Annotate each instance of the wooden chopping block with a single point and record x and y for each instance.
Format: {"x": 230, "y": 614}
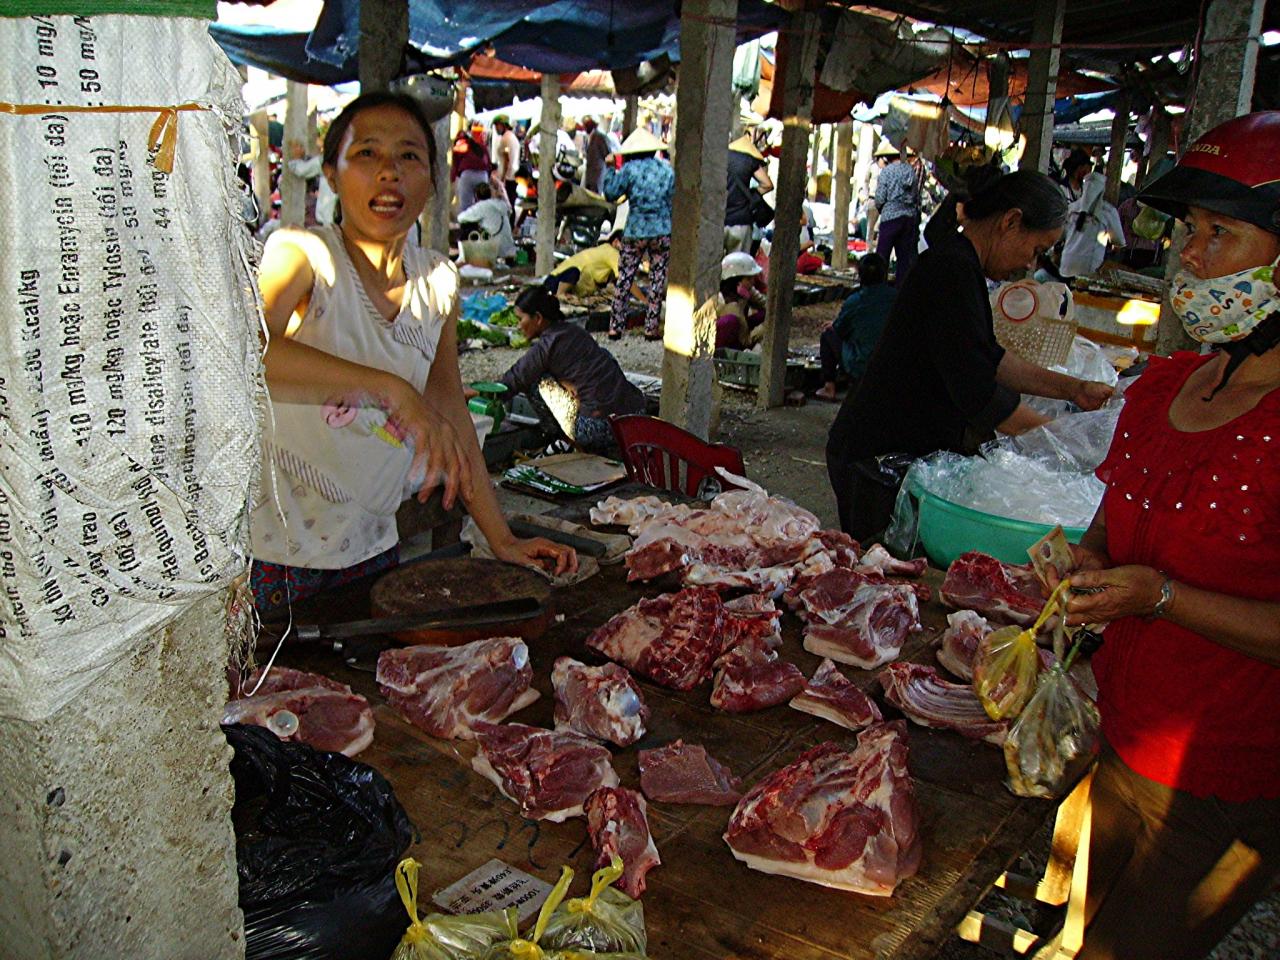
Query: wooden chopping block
{"x": 458, "y": 582}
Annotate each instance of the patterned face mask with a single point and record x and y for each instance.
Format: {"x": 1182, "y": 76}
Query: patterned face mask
{"x": 1224, "y": 309}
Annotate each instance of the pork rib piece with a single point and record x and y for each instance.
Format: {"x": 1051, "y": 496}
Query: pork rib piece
{"x": 1000, "y": 591}
{"x": 922, "y": 694}
{"x": 840, "y": 818}
{"x": 867, "y": 631}
{"x": 959, "y": 645}
{"x": 751, "y": 678}
{"x": 446, "y": 690}
{"x": 329, "y": 715}
{"x": 549, "y": 773}
{"x": 618, "y": 823}
{"x": 831, "y": 695}
{"x": 686, "y": 773}
{"x": 603, "y": 703}
{"x": 672, "y": 639}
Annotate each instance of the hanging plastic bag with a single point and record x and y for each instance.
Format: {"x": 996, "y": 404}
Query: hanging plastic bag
{"x": 605, "y": 919}
{"x": 440, "y": 937}
{"x": 1056, "y": 737}
{"x": 1007, "y": 663}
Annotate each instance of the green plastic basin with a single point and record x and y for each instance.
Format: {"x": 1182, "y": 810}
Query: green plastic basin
{"x": 947, "y": 529}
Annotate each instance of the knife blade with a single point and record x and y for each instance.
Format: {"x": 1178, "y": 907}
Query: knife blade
{"x": 476, "y": 615}
{"x": 585, "y": 545}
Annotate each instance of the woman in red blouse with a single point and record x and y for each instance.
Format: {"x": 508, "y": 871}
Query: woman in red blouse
{"x": 1183, "y": 559}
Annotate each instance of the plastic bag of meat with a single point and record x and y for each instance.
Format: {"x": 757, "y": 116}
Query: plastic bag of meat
{"x": 1007, "y": 664}
{"x": 536, "y": 945}
{"x": 1055, "y": 738}
{"x": 606, "y": 920}
{"x": 440, "y": 937}
{"x": 599, "y": 702}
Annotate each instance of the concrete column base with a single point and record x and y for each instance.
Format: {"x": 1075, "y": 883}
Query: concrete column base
{"x": 115, "y": 827}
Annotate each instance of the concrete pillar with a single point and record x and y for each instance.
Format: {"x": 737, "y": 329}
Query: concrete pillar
{"x": 261, "y": 170}
{"x": 384, "y": 31}
{"x": 293, "y": 188}
{"x": 797, "y": 107}
{"x": 548, "y": 125}
{"x": 842, "y": 188}
{"x": 1224, "y": 90}
{"x": 1115, "y": 157}
{"x": 1042, "y": 84}
{"x": 629, "y": 111}
{"x": 704, "y": 101}
{"x": 117, "y": 811}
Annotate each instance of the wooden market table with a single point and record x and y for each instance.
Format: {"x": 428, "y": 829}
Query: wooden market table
{"x": 701, "y": 902}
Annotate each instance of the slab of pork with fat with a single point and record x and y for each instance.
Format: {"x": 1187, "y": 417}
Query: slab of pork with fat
{"x": 548, "y": 773}
{"x": 831, "y": 695}
{"x": 673, "y": 639}
{"x": 325, "y": 714}
{"x": 836, "y": 817}
{"x": 866, "y": 630}
{"x": 603, "y": 703}
{"x": 447, "y": 690}
{"x": 1003, "y": 592}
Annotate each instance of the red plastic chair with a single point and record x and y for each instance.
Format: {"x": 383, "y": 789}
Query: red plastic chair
{"x": 669, "y": 458}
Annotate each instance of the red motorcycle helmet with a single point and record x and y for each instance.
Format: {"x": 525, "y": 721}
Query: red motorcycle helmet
{"x": 1234, "y": 169}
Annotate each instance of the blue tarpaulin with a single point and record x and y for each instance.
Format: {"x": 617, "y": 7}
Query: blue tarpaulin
{"x": 569, "y": 36}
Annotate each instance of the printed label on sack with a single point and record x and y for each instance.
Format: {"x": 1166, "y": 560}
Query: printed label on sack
{"x": 494, "y": 886}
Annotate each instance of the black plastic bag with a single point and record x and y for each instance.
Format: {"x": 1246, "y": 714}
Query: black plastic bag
{"x": 318, "y": 836}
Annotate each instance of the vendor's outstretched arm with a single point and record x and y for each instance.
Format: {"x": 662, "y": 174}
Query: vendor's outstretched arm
{"x": 298, "y": 373}
{"x": 1018, "y": 374}
{"x": 444, "y": 392}
{"x": 1022, "y": 419}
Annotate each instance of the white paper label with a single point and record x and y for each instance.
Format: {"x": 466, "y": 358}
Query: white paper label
{"x": 494, "y": 886}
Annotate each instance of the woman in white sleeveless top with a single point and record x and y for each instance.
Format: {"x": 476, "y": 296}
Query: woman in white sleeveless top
{"x": 362, "y": 365}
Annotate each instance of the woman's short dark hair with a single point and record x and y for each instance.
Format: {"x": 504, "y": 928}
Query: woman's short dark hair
{"x": 729, "y": 287}
{"x": 538, "y": 299}
{"x": 482, "y": 191}
{"x": 410, "y": 105}
{"x": 872, "y": 269}
{"x": 1040, "y": 200}
{"x": 628, "y": 157}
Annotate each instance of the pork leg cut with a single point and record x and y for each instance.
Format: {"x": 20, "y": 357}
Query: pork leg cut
{"x": 618, "y": 824}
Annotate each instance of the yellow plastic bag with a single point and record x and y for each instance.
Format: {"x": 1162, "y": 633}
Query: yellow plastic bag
{"x": 441, "y": 937}
{"x": 1055, "y": 738}
{"x": 604, "y": 920}
{"x": 1007, "y": 663}
{"x": 515, "y": 947}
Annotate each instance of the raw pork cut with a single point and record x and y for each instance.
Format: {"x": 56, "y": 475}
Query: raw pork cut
{"x": 686, "y": 773}
{"x": 329, "y": 716}
{"x": 1000, "y": 591}
{"x": 868, "y": 630}
{"x": 831, "y": 695}
{"x": 618, "y": 823}
{"x": 549, "y": 773}
{"x": 672, "y": 639}
{"x": 751, "y": 678}
{"x": 840, "y": 818}
{"x": 627, "y": 513}
{"x": 446, "y": 690}
{"x": 965, "y": 630}
{"x": 599, "y": 702}
{"x": 922, "y": 694}
{"x": 879, "y": 559}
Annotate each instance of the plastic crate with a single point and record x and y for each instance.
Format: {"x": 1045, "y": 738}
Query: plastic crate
{"x": 741, "y": 368}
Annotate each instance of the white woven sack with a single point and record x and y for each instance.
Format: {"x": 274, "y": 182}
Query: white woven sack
{"x": 130, "y": 379}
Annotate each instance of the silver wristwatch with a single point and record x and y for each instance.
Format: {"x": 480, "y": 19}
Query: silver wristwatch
{"x": 1166, "y": 598}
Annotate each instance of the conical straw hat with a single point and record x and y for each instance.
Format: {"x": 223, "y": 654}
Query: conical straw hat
{"x": 641, "y": 141}
{"x": 744, "y": 145}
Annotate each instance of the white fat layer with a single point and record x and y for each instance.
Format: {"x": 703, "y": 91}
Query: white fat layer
{"x": 819, "y": 708}
{"x": 848, "y": 879}
{"x": 824, "y": 647}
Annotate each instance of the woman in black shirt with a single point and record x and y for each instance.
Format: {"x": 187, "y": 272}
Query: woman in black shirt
{"x": 938, "y": 380}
